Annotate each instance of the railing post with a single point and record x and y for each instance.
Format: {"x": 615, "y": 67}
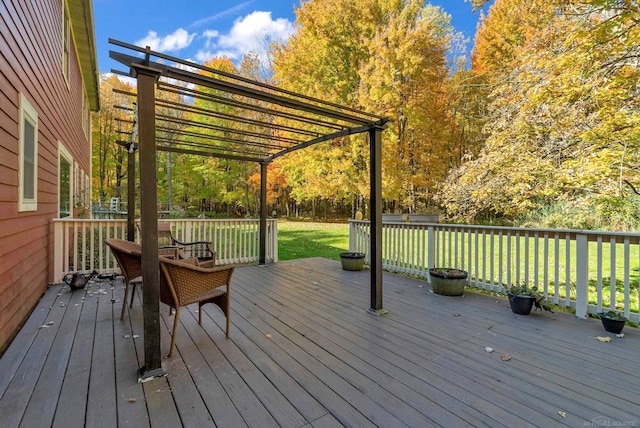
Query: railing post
{"x": 263, "y": 215}
{"x": 352, "y": 236}
{"x": 274, "y": 240}
{"x": 431, "y": 249}
{"x": 58, "y": 251}
{"x": 188, "y": 231}
{"x": 582, "y": 275}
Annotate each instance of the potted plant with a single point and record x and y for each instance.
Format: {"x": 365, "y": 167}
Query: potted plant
{"x": 448, "y": 281}
{"x": 612, "y": 321}
{"x": 352, "y": 261}
{"x": 522, "y": 298}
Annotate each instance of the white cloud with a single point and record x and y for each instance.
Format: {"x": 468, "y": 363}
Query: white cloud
{"x": 175, "y": 41}
{"x": 251, "y": 33}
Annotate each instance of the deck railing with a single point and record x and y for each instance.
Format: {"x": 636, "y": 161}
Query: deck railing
{"x": 588, "y": 271}
{"x": 79, "y": 244}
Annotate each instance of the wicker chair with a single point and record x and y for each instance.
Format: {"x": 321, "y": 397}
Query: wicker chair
{"x": 129, "y": 257}
{"x": 183, "y": 282}
{"x": 201, "y": 250}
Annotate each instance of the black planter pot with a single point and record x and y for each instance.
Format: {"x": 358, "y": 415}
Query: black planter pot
{"x": 612, "y": 325}
{"x": 521, "y": 304}
{"x": 448, "y": 281}
{"x": 352, "y": 261}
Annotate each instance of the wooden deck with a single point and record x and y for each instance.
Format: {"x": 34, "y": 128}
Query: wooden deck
{"x": 304, "y": 352}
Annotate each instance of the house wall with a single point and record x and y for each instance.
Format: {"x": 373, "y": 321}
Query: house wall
{"x": 31, "y": 64}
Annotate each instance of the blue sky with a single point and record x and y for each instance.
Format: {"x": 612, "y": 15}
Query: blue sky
{"x": 200, "y": 29}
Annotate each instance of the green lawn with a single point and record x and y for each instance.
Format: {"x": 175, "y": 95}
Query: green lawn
{"x": 297, "y": 239}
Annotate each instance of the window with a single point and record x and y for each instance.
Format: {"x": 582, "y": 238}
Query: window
{"x": 66, "y": 42}
{"x": 64, "y": 182}
{"x": 28, "y": 157}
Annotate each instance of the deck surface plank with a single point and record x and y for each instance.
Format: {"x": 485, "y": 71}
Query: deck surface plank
{"x": 45, "y": 396}
{"x": 305, "y": 352}
{"x": 72, "y": 404}
{"x": 188, "y": 400}
{"x": 19, "y": 390}
{"x": 132, "y": 409}
{"x": 102, "y": 399}
{"x": 14, "y": 355}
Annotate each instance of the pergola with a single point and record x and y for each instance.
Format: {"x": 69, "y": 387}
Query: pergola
{"x": 251, "y": 121}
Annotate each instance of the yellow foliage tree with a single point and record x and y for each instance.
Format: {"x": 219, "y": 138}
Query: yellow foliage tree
{"x": 388, "y": 57}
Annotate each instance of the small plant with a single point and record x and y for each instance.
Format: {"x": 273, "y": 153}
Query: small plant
{"x": 523, "y": 289}
{"x": 448, "y": 273}
{"x": 614, "y": 315}
{"x": 613, "y": 321}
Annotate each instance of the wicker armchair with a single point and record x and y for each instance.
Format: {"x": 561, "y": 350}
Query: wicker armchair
{"x": 129, "y": 257}
{"x": 183, "y": 282}
{"x": 201, "y": 250}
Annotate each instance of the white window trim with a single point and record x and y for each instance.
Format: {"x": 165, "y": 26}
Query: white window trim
{"x": 64, "y": 153}
{"x": 65, "y": 59}
{"x": 86, "y": 122}
{"x": 87, "y": 190}
{"x": 27, "y": 113}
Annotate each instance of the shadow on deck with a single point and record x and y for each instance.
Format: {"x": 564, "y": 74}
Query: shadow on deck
{"x": 304, "y": 351}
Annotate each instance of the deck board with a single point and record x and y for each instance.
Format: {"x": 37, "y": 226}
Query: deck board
{"x": 102, "y": 397}
{"x": 305, "y": 352}
{"x": 132, "y": 411}
{"x": 17, "y": 395}
{"x": 72, "y": 402}
{"x": 40, "y": 410}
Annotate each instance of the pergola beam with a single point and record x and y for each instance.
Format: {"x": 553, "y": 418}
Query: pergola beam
{"x": 208, "y": 154}
{"x": 234, "y": 88}
{"x": 238, "y": 104}
{"x": 265, "y": 87}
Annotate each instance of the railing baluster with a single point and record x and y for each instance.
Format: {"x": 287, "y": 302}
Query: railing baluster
{"x": 546, "y": 264}
{"x": 612, "y": 274}
{"x": 582, "y": 275}
{"x": 556, "y": 285}
{"x": 500, "y": 259}
{"x": 509, "y": 261}
{"x": 599, "y": 275}
{"x": 493, "y": 262}
{"x": 536, "y": 258}
{"x": 627, "y": 270}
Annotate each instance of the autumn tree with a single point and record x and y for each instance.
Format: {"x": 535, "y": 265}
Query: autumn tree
{"x": 387, "y": 57}
{"x": 562, "y": 116}
{"x": 109, "y": 158}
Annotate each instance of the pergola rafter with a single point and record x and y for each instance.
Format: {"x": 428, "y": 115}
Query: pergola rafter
{"x": 247, "y": 121}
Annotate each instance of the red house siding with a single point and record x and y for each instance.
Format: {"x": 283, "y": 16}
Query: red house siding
{"x": 31, "y": 65}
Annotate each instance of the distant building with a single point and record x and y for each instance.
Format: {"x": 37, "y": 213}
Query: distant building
{"x": 48, "y": 88}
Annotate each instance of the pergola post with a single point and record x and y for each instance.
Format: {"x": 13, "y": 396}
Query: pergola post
{"x": 262, "y": 251}
{"x": 131, "y": 194}
{"x": 375, "y": 205}
{"x": 147, "y": 78}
